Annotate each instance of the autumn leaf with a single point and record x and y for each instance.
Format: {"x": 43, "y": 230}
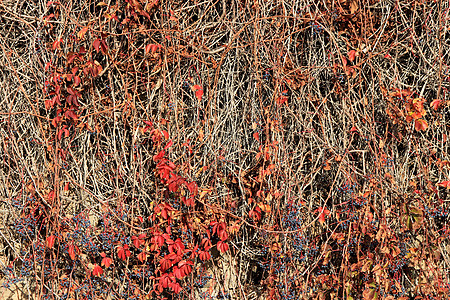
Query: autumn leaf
{"x": 165, "y": 280}
{"x": 96, "y": 45}
{"x": 445, "y": 184}
{"x": 199, "y": 94}
{"x": 281, "y": 100}
{"x": 435, "y": 104}
{"x": 351, "y": 55}
{"x": 323, "y": 212}
{"x": 57, "y": 44}
{"x": 165, "y": 263}
{"x": 72, "y": 251}
{"x": 222, "y": 246}
{"x": 152, "y": 48}
{"x": 50, "y": 241}
{"x": 204, "y": 255}
{"x": 123, "y": 252}
{"x": 159, "y": 156}
{"x": 106, "y": 261}
{"x": 82, "y": 32}
{"x": 97, "y": 270}
{"x": 169, "y": 144}
{"x": 142, "y": 256}
{"x": 420, "y": 124}
{"x": 206, "y": 244}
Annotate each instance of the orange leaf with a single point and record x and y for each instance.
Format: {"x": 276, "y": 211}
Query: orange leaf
{"x": 351, "y": 55}
{"x": 82, "y": 32}
{"x": 322, "y": 218}
{"x": 323, "y": 212}
{"x": 51, "y": 241}
{"x": 199, "y": 94}
{"x": 420, "y": 124}
{"x": 72, "y": 251}
{"x": 57, "y": 44}
{"x": 435, "y": 104}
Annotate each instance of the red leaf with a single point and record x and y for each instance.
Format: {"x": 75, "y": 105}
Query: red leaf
{"x": 72, "y": 251}
{"x": 206, "y": 244}
{"x": 184, "y": 268}
{"x": 322, "y": 218}
{"x": 71, "y": 114}
{"x": 165, "y": 264}
{"x": 159, "y": 156}
{"x": 351, "y": 55}
{"x": 170, "y": 143}
{"x": 281, "y": 100}
{"x": 165, "y": 280}
{"x": 255, "y": 215}
{"x": 142, "y": 256}
{"x": 344, "y": 62}
{"x": 138, "y": 241}
{"x": 96, "y": 45}
{"x": 103, "y": 47}
{"x": 222, "y": 246}
{"x": 57, "y": 44}
{"x": 106, "y": 261}
{"x": 123, "y": 252}
{"x": 188, "y": 201}
{"x": 323, "y": 212}
{"x": 199, "y": 94}
{"x": 445, "y": 184}
{"x": 223, "y": 235}
{"x": 51, "y": 241}
{"x": 97, "y": 270}
{"x": 204, "y": 255}
{"x": 175, "y": 286}
{"x": 60, "y": 133}
{"x": 177, "y": 272}
{"x": 193, "y": 188}
{"x": 435, "y": 104}
{"x": 152, "y": 48}
{"x": 76, "y": 80}
{"x": 82, "y": 32}
{"x": 420, "y": 124}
